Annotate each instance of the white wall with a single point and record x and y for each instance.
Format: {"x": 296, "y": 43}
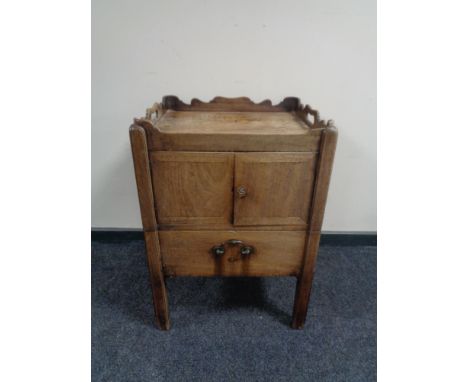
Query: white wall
{"x": 323, "y": 51}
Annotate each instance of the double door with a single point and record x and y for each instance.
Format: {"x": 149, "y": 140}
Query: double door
{"x": 239, "y": 189}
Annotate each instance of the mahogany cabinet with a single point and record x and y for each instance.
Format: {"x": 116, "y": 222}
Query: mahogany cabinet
{"x": 232, "y": 188}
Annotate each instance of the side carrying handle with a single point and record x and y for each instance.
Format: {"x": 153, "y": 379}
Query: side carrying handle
{"x": 155, "y": 109}
{"x": 314, "y": 113}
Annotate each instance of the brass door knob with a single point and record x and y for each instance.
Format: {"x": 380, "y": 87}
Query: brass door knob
{"x": 241, "y": 191}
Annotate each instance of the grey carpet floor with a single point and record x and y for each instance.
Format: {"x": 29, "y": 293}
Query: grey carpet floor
{"x": 233, "y": 329}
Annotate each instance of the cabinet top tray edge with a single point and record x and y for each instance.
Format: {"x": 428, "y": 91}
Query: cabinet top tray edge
{"x": 303, "y": 116}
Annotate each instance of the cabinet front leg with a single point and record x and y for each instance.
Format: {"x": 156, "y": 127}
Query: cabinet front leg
{"x": 304, "y": 282}
{"x": 158, "y": 285}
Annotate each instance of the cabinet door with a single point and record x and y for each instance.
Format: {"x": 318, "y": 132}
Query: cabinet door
{"x": 192, "y": 188}
{"x": 273, "y": 188}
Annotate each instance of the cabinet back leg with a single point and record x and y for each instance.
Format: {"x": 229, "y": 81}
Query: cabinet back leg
{"x": 158, "y": 284}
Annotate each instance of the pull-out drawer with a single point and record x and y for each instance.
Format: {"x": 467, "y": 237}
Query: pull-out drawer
{"x": 232, "y": 253}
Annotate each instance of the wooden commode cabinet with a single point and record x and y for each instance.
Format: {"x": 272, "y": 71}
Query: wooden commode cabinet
{"x": 232, "y": 188}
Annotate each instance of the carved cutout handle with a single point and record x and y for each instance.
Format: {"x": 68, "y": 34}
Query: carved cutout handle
{"x": 313, "y": 113}
{"x": 155, "y": 109}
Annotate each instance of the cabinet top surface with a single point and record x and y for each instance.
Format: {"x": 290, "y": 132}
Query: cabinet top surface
{"x": 232, "y": 124}
{"x": 224, "y": 122}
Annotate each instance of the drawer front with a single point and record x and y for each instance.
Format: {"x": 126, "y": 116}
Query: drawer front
{"x": 232, "y": 253}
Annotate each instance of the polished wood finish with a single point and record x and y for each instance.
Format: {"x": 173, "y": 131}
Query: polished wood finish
{"x": 188, "y": 253}
{"x": 238, "y": 188}
{"x": 193, "y": 188}
{"x": 277, "y": 186}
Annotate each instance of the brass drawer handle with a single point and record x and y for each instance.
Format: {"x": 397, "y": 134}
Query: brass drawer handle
{"x": 218, "y": 250}
{"x": 234, "y": 242}
{"x": 244, "y": 250}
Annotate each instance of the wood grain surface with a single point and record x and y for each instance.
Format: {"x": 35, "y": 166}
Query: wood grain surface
{"x": 304, "y": 282}
{"x": 249, "y": 177}
{"x": 278, "y": 188}
{"x": 188, "y": 253}
{"x": 193, "y": 188}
